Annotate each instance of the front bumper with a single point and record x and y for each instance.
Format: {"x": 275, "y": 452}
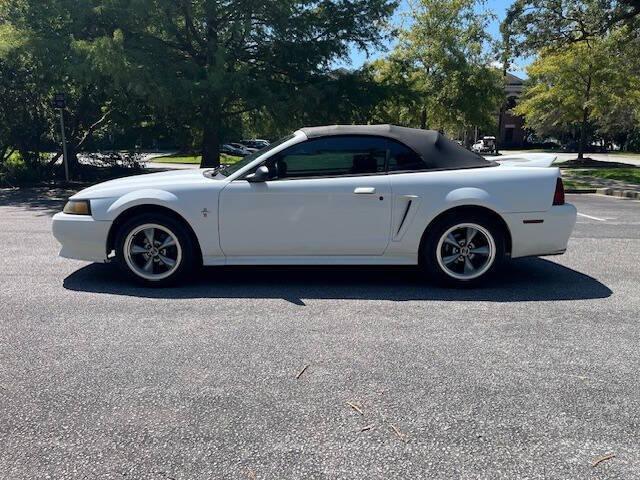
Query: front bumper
{"x": 81, "y": 236}
{"x": 548, "y": 235}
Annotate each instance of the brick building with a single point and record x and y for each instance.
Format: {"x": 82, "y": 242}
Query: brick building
{"x": 512, "y": 126}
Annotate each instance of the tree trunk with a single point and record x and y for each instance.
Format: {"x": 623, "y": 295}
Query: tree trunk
{"x": 72, "y": 160}
{"x": 583, "y": 133}
{"x": 506, "y": 54}
{"x": 74, "y": 163}
{"x": 585, "y": 120}
{"x": 423, "y": 118}
{"x": 211, "y": 145}
{"x": 503, "y": 110}
{"x": 212, "y": 109}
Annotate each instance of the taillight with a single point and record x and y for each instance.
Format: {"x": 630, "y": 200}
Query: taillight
{"x": 558, "y": 196}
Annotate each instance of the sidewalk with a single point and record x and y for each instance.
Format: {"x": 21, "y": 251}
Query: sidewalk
{"x": 161, "y": 167}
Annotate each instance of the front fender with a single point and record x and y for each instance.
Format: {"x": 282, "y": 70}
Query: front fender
{"x": 188, "y": 205}
{"x": 109, "y": 210}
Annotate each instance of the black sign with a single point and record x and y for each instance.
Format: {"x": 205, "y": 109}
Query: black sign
{"x": 59, "y": 100}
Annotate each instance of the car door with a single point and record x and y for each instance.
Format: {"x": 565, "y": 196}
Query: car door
{"x": 324, "y": 197}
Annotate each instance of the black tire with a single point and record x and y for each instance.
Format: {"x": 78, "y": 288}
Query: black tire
{"x": 433, "y": 246}
{"x": 185, "y": 261}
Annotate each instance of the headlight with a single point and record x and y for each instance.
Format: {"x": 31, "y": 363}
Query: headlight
{"x": 78, "y": 207}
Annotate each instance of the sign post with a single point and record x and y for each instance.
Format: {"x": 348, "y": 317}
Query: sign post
{"x": 60, "y": 103}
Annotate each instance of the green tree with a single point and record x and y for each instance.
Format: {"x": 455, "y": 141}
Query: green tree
{"x": 342, "y": 96}
{"x": 24, "y": 114}
{"x": 210, "y": 62}
{"x": 576, "y": 88}
{"x": 401, "y": 101}
{"x": 618, "y": 107}
{"x": 39, "y": 47}
{"x": 606, "y": 32}
{"x": 443, "y": 59}
{"x": 24, "y": 109}
{"x": 532, "y": 25}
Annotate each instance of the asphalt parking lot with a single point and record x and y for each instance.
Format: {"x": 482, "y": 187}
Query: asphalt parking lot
{"x": 533, "y": 376}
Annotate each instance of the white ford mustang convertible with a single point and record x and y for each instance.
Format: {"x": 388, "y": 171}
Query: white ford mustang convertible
{"x": 338, "y": 195}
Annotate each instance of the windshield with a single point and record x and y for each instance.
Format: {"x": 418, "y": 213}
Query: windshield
{"x": 231, "y": 169}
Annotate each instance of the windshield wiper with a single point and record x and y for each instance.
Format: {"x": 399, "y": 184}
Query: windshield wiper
{"x": 211, "y": 171}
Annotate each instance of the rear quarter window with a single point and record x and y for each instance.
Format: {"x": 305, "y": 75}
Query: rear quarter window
{"x": 403, "y": 159}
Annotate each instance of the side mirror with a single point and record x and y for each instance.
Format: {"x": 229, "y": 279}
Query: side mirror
{"x": 260, "y": 175}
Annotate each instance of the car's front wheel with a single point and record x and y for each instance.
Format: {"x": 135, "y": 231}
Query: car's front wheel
{"x": 462, "y": 250}
{"x": 154, "y": 250}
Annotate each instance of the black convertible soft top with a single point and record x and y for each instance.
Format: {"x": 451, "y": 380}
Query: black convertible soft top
{"x": 437, "y": 151}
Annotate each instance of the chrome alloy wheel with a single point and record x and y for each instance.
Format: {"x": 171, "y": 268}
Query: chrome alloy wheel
{"x": 152, "y": 251}
{"x": 466, "y": 251}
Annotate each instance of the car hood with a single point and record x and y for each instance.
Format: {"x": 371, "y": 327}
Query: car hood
{"x": 163, "y": 180}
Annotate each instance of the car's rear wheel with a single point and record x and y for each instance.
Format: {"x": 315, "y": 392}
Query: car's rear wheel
{"x": 154, "y": 250}
{"x": 463, "y": 250}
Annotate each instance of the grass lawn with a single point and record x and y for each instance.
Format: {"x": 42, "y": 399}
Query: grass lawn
{"x": 629, "y": 175}
{"x": 194, "y": 159}
{"x": 573, "y": 185}
{"x": 177, "y": 159}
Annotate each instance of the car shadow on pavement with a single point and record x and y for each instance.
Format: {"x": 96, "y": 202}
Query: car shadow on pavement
{"x": 529, "y": 279}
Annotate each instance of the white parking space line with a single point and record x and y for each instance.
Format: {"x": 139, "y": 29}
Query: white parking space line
{"x": 592, "y": 218}
{"x": 611, "y": 197}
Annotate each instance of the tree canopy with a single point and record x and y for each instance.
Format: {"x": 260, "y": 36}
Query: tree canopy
{"x": 532, "y": 25}
{"x": 213, "y": 61}
{"x": 197, "y": 66}
{"x": 442, "y": 69}
{"x": 580, "y": 87}
{"x": 191, "y": 74}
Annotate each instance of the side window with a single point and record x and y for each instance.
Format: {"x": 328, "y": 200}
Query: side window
{"x": 330, "y": 157}
{"x": 402, "y": 158}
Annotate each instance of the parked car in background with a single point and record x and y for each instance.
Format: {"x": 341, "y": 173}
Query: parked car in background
{"x": 485, "y": 145}
{"x": 244, "y": 148}
{"x": 257, "y": 143}
{"x": 229, "y": 149}
{"x": 339, "y": 195}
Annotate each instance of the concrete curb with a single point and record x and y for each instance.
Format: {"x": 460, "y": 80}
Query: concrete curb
{"x": 614, "y": 192}
{"x": 580, "y": 190}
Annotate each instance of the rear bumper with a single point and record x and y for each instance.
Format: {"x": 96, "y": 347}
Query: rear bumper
{"x": 81, "y": 237}
{"x": 547, "y": 235}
